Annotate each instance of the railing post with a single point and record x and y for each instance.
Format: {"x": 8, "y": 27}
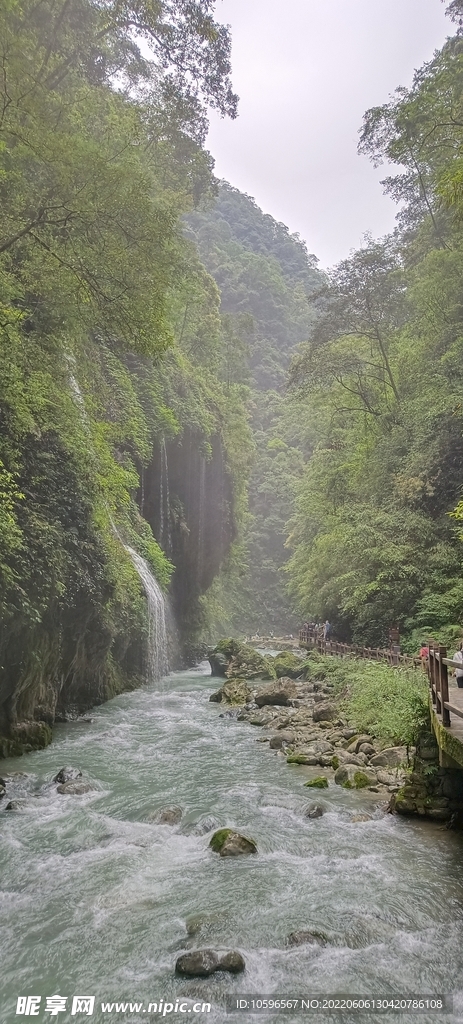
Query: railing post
{"x": 444, "y": 686}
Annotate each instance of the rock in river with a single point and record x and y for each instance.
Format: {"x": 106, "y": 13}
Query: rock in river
{"x": 170, "y": 815}
{"x": 232, "y": 659}
{"x": 203, "y": 962}
{"x": 67, "y": 774}
{"x": 198, "y": 964}
{"x": 228, "y": 843}
{"x": 232, "y": 962}
{"x": 306, "y": 938}
{"x": 74, "y": 788}
{"x": 235, "y": 691}
{"x": 314, "y": 811}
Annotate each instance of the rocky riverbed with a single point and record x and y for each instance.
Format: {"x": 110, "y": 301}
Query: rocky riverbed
{"x": 301, "y": 717}
{"x": 303, "y": 722}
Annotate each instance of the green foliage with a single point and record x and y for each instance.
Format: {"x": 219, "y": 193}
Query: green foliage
{"x": 100, "y": 157}
{"x": 266, "y": 279}
{"x": 390, "y": 704}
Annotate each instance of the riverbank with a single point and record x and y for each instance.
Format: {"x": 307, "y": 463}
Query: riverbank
{"x": 302, "y": 721}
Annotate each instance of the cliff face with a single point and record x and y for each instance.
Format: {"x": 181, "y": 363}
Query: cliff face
{"x": 73, "y": 611}
{"x": 187, "y": 498}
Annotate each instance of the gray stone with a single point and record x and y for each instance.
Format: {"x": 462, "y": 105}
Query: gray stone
{"x": 345, "y": 758}
{"x": 198, "y": 964}
{"x": 390, "y": 758}
{"x": 324, "y": 713}
{"x": 353, "y": 777}
{"x": 74, "y": 788}
{"x": 439, "y": 813}
{"x": 201, "y": 963}
{"x": 280, "y": 691}
{"x": 14, "y": 805}
{"x": 170, "y": 815}
{"x": 67, "y": 775}
{"x": 386, "y": 778}
{"x": 367, "y": 748}
{"x": 228, "y": 843}
{"x": 232, "y": 962}
{"x": 282, "y": 739}
{"x": 314, "y": 811}
{"x": 303, "y": 938}
{"x": 354, "y": 746}
{"x": 323, "y": 747}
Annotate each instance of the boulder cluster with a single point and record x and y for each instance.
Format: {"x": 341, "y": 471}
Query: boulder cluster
{"x": 302, "y": 719}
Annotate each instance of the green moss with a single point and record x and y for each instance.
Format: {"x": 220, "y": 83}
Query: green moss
{"x": 320, "y": 782}
{"x": 288, "y": 664}
{"x": 361, "y": 780}
{"x": 27, "y": 737}
{"x": 447, "y": 742}
{"x": 335, "y": 762}
{"x": 219, "y": 838}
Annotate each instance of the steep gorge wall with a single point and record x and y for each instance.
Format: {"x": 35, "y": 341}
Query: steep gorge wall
{"x": 73, "y": 617}
{"x": 188, "y": 501}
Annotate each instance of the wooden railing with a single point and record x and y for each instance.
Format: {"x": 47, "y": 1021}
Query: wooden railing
{"x": 436, "y": 666}
{"x": 439, "y": 665}
{"x": 313, "y": 639}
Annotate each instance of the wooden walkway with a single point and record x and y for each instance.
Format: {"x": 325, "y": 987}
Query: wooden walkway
{"x": 311, "y": 639}
{"x": 446, "y": 702}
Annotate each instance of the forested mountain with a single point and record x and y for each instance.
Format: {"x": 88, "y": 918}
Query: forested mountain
{"x": 267, "y": 281}
{"x": 374, "y": 537}
{"x": 103, "y": 378}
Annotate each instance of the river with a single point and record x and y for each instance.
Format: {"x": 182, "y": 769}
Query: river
{"x": 94, "y": 897}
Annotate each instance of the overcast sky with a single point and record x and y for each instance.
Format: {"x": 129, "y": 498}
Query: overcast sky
{"x": 305, "y": 71}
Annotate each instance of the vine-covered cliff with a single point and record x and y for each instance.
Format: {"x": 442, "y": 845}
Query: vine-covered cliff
{"x": 116, "y": 425}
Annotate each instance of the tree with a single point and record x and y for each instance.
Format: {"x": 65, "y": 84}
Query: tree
{"x": 350, "y": 342}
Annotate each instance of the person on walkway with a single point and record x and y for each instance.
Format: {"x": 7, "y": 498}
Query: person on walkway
{"x": 326, "y": 630}
{"x": 424, "y": 656}
{"x": 458, "y": 656}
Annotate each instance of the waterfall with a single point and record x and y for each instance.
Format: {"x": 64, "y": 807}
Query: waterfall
{"x": 157, "y": 632}
{"x": 158, "y": 664}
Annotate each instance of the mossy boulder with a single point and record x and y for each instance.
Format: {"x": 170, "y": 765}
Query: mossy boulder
{"x": 349, "y": 776}
{"x": 235, "y": 692}
{"x": 309, "y": 757}
{"x": 288, "y": 664}
{"x": 233, "y": 660}
{"x": 201, "y": 963}
{"x": 319, "y": 782}
{"x": 228, "y": 843}
{"x": 24, "y": 737}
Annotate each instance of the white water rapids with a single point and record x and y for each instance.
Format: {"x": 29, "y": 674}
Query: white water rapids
{"x": 96, "y": 895}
